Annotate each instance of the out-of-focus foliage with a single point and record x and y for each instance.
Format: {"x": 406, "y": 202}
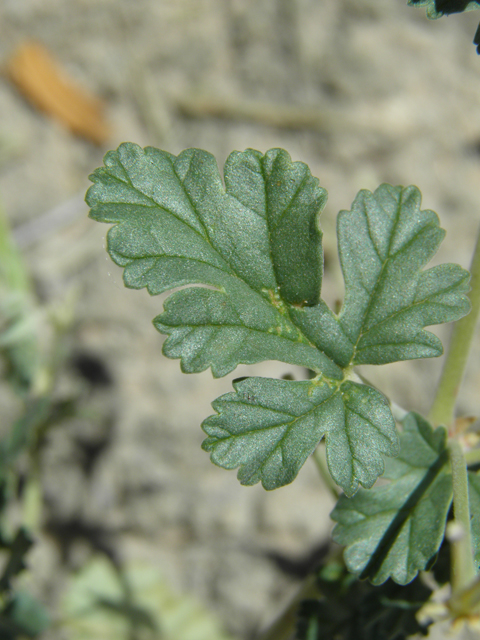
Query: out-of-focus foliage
{"x": 105, "y": 602}
{"x": 348, "y": 609}
{"x": 394, "y": 530}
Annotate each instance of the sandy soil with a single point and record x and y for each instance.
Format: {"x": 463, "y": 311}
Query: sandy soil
{"x": 364, "y": 92}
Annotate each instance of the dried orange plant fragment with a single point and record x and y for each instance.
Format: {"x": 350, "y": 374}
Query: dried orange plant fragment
{"x": 41, "y": 80}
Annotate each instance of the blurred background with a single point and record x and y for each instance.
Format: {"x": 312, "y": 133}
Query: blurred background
{"x": 112, "y": 482}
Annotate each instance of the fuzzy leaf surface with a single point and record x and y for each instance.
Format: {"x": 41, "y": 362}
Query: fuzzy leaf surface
{"x": 384, "y": 241}
{"x": 255, "y": 240}
{"x": 248, "y": 256}
{"x": 269, "y": 427}
{"x": 393, "y": 531}
{"x": 439, "y": 8}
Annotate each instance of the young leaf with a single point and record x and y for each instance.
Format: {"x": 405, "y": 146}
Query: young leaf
{"x": 384, "y": 242}
{"x": 393, "y": 531}
{"x": 256, "y": 241}
{"x": 256, "y": 244}
{"x": 269, "y": 427}
{"x": 439, "y": 8}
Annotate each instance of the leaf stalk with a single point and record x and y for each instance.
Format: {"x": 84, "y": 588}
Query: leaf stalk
{"x": 463, "y": 570}
{"x": 443, "y": 407}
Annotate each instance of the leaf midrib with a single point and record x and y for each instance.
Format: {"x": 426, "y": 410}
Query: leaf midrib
{"x": 373, "y": 292}
{"x": 377, "y": 283}
{"x": 208, "y": 239}
{"x": 413, "y": 305}
{"x": 288, "y": 429}
{"x": 360, "y": 415}
{"x": 288, "y": 425}
{"x": 155, "y": 204}
{"x": 404, "y": 514}
{"x": 235, "y": 326}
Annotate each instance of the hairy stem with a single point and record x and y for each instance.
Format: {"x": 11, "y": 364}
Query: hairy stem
{"x": 463, "y": 570}
{"x": 442, "y": 411}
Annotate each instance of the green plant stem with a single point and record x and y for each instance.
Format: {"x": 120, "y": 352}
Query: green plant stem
{"x": 442, "y": 411}
{"x": 320, "y": 460}
{"x": 463, "y": 570}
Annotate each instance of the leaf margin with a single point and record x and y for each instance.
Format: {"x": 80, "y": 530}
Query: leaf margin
{"x": 357, "y": 557}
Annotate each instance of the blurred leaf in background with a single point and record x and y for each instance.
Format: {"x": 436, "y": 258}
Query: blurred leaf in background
{"x": 138, "y": 602}
{"x": 18, "y": 315}
{"x": 349, "y": 609}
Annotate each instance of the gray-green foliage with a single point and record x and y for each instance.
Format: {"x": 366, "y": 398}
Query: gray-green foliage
{"x": 255, "y": 242}
{"x": 18, "y": 317}
{"x": 269, "y": 427}
{"x": 394, "y": 530}
{"x": 350, "y": 609}
{"x": 20, "y": 614}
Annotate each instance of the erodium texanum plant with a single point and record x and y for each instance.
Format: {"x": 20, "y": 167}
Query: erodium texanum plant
{"x": 245, "y": 255}
{"x": 255, "y": 241}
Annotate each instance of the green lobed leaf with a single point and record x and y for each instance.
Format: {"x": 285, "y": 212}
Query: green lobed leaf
{"x": 256, "y": 241}
{"x": 252, "y": 251}
{"x": 439, "y": 8}
{"x": 269, "y": 427}
{"x": 393, "y": 531}
{"x": 384, "y": 242}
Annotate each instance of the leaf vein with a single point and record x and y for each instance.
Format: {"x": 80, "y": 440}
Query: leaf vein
{"x": 424, "y": 301}
{"x": 155, "y": 204}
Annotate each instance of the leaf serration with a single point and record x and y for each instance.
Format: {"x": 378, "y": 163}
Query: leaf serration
{"x": 248, "y": 254}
